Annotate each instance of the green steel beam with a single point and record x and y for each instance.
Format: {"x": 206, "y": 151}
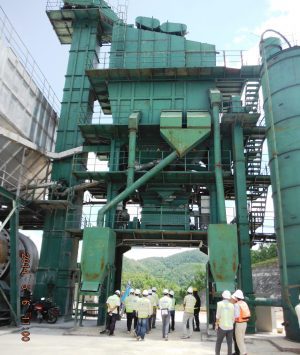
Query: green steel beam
{"x": 244, "y": 242}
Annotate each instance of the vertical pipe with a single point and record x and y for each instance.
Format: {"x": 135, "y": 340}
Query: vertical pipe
{"x": 242, "y": 215}
{"x": 133, "y": 122}
{"x": 215, "y": 96}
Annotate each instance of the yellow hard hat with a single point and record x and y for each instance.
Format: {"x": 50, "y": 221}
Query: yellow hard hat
{"x": 195, "y": 289}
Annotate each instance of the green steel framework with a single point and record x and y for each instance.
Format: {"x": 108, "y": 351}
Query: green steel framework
{"x": 166, "y": 148}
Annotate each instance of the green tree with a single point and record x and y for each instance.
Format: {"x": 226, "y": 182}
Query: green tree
{"x": 265, "y": 252}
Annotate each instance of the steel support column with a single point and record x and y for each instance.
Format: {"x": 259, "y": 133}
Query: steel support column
{"x": 242, "y": 216}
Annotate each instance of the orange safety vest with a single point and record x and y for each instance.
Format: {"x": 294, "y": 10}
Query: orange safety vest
{"x": 245, "y": 313}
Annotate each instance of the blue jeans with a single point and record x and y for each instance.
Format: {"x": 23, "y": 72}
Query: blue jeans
{"x": 142, "y": 327}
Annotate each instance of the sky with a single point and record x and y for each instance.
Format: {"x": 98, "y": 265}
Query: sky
{"x": 230, "y": 25}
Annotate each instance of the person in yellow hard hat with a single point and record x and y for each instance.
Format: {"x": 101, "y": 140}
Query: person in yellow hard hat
{"x": 196, "y": 310}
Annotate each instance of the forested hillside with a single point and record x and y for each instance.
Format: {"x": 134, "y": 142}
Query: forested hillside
{"x": 175, "y": 272}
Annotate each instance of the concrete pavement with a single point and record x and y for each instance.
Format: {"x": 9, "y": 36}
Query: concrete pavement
{"x": 62, "y": 339}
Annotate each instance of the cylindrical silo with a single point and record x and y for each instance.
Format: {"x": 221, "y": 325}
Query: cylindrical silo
{"x": 281, "y": 90}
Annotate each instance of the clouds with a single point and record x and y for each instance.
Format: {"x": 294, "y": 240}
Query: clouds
{"x": 283, "y": 16}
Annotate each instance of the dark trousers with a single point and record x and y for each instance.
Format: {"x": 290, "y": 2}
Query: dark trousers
{"x": 221, "y": 334}
{"x": 135, "y": 320}
{"x": 236, "y": 348}
{"x": 172, "y": 314}
{"x": 130, "y": 317}
{"x": 149, "y": 324}
{"x": 111, "y": 322}
{"x": 196, "y": 318}
{"x": 154, "y": 317}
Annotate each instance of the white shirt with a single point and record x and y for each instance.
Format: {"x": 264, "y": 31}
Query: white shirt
{"x": 297, "y": 309}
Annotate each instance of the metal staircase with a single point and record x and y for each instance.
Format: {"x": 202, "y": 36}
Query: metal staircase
{"x": 252, "y": 96}
{"x": 257, "y": 192}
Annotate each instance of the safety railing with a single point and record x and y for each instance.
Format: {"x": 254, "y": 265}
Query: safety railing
{"x": 195, "y": 161}
{"x": 119, "y": 7}
{"x": 135, "y": 217}
{"x": 96, "y": 116}
{"x": 25, "y": 186}
{"x": 10, "y": 38}
{"x": 161, "y": 59}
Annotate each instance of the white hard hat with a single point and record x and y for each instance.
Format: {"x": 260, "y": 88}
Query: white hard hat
{"x": 171, "y": 293}
{"x": 226, "y": 295}
{"x": 150, "y": 292}
{"x": 145, "y": 293}
{"x": 137, "y": 291}
{"x": 165, "y": 291}
{"x": 131, "y": 290}
{"x": 190, "y": 289}
{"x": 238, "y": 294}
{"x": 154, "y": 289}
{"x": 117, "y": 292}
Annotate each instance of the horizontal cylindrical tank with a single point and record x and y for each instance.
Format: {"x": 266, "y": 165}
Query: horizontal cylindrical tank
{"x": 26, "y": 247}
{"x": 281, "y": 91}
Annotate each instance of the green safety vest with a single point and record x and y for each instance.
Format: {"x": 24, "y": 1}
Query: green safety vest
{"x": 130, "y": 303}
{"x": 225, "y": 314}
{"x": 165, "y": 303}
{"x": 189, "y": 302}
{"x": 144, "y": 308}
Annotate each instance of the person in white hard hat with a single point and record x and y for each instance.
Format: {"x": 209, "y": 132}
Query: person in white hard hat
{"x": 165, "y": 304}
{"x": 137, "y": 295}
{"x": 242, "y": 316}
{"x": 152, "y": 301}
{"x": 143, "y": 310}
{"x": 113, "y": 304}
{"x": 155, "y": 296}
{"x": 172, "y": 310}
{"x": 224, "y": 322}
{"x": 297, "y": 309}
{"x": 189, "y": 302}
{"x": 130, "y": 302}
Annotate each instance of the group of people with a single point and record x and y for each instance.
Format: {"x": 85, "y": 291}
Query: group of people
{"x": 141, "y": 310}
{"x": 231, "y": 322}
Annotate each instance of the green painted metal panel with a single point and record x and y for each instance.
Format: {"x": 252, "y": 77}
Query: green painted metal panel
{"x": 171, "y": 119}
{"x": 223, "y": 255}
{"x": 184, "y": 139}
{"x": 97, "y": 257}
{"x": 135, "y": 48}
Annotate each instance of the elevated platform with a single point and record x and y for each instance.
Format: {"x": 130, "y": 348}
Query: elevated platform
{"x": 229, "y": 81}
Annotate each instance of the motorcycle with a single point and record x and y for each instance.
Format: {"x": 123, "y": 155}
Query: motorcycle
{"x": 43, "y": 310}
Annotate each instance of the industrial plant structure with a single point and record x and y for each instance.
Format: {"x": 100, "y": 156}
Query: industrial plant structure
{"x": 159, "y": 131}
